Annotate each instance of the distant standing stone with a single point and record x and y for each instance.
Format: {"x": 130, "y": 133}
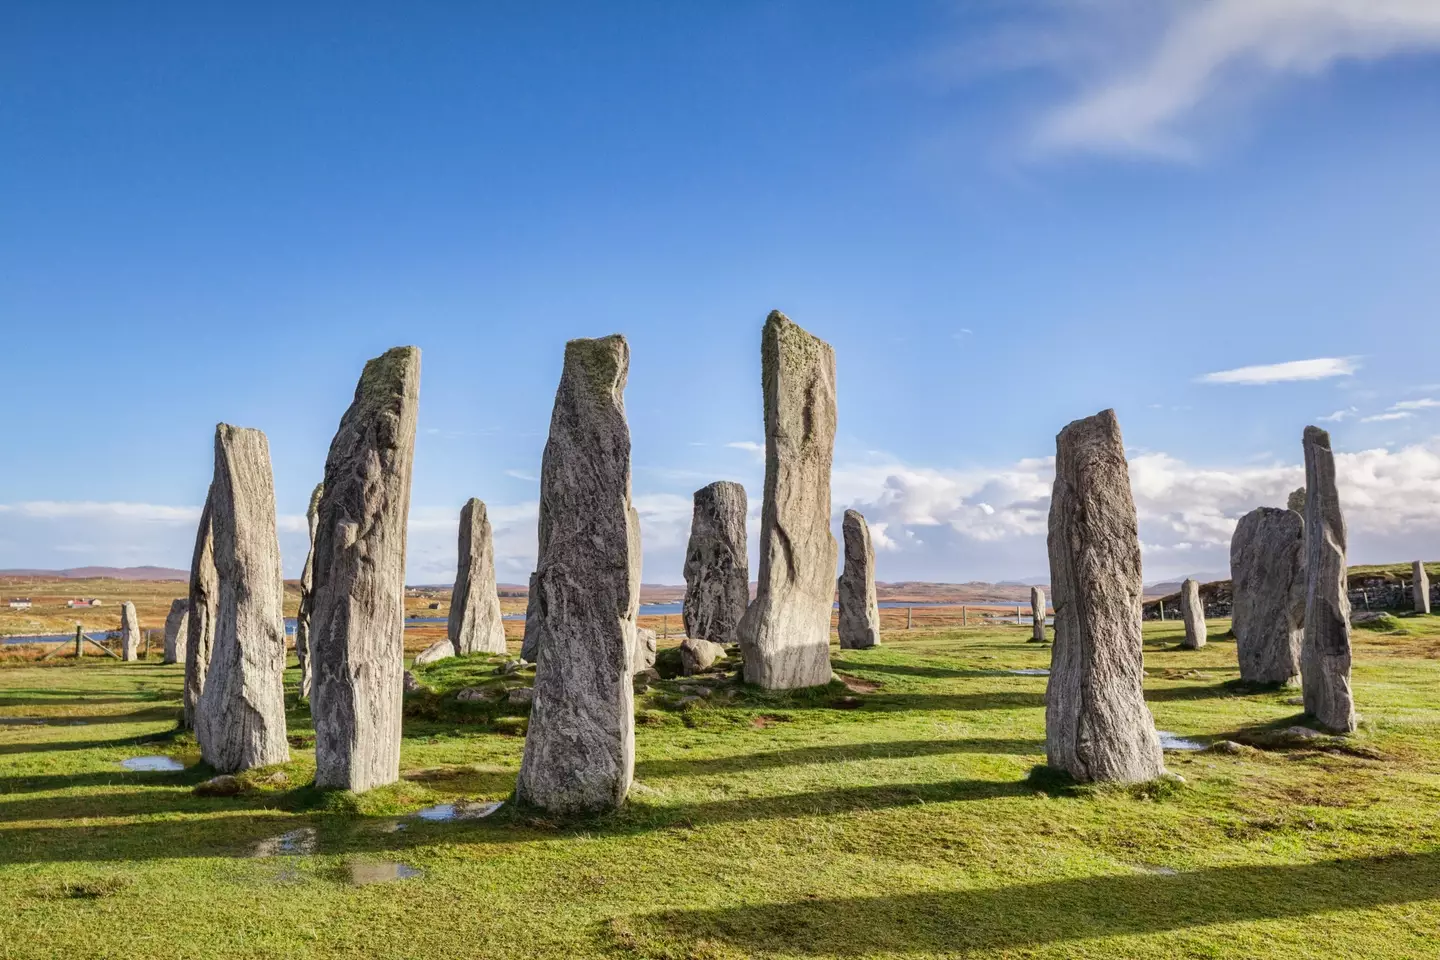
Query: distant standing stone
{"x": 1192, "y": 611}
{"x": 204, "y": 596}
{"x": 785, "y": 633}
{"x": 580, "y": 745}
{"x": 717, "y": 567}
{"x": 1097, "y": 726}
{"x": 1296, "y": 501}
{"x": 475, "y": 624}
{"x": 530, "y": 641}
{"x": 1420, "y": 587}
{"x": 859, "y": 607}
{"x": 129, "y": 632}
{"x": 1267, "y": 571}
{"x": 177, "y": 622}
{"x": 439, "y": 650}
{"x": 240, "y": 720}
{"x": 357, "y": 629}
{"x": 1037, "y": 615}
{"x": 1325, "y": 656}
{"x": 307, "y": 597}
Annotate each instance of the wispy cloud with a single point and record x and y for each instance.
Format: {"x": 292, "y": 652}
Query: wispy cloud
{"x": 1392, "y": 415}
{"x": 522, "y": 475}
{"x": 1339, "y": 415}
{"x": 1424, "y": 404}
{"x": 1318, "y": 369}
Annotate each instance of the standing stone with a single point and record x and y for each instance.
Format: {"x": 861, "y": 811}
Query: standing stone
{"x": 1296, "y": 501}
{"x": 1192, "y": 611}
{"x": 530, "y": 641}
{"x": 176, "y": 625}
{"x": 129, "y": 632}
{"x": 475, "y": 624}
{"x": 1267, "y": 577}
{"x": 859, "y": 608}
{"x": 357, "y": 626}
{"x": 240, "y": 722}
{"x": 785, "y": 633}
{"x": 647, "y": 645}
{"x": 307, "y": 596}
{"x": 580, "y": 745}
{"x": 1325, "y": 656}
{"x": 1097, "y": 726}
{"x": 1420, "y": 587}
{"x": 204, "y": 595}
{"x": 1037, "y": 615}
{"x": 717, "y": 568}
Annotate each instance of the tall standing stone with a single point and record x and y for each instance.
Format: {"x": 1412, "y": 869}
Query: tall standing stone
{"x": 204, "y": 595}
{"x": 1420, "y": 587}
{"x": 475, "y": 624}
{"x": 1267, "y": 577}
{"x": 859, "y": 608}
{"x": 129, "y": 632}
{"x": 580, "y": 745}
{"x": 1037, "y": 615}
{"x": 177, "y": 623}
{"x": 1325, "y": 656}
{"x": 1192, "y": 611}
{"x": 240, "y": 722}
{"x": 785, "y": 633}
{"x": 1097, "y": 726}
{"x": 717, "y": 567}
{"x": 307, "y": 596}
{"x": 357, "y": 625}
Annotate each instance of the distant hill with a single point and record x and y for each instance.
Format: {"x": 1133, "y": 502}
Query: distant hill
{"x": 107, "y": 573}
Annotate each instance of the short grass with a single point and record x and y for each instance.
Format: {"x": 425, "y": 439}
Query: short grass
{"x": 898, "y": 815}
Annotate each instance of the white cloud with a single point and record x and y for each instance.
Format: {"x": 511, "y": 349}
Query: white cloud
{"x": 1319, "y": 368}
{"x": 1423, "y": 404}
{"x": 748, "y": 445}
{"x": 1382, "y": 417}
{"x": 522, "y": 475}
{"x": 1339, "y": 415}
{"x": 101, "y": 510}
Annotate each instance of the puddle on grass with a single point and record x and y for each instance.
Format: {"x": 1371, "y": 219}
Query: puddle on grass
{"x": 461, "y": 810}
{"x": 22, "y": 721}
{"x": 1030, "y": 672}
{"x": 363, "y": 873}
{"x": 301, "y": 841}
{"x": 152, "y": 764}
{"x": 1173, "y": 741}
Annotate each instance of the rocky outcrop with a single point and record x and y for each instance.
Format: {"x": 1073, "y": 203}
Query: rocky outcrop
{"x": 717, "y": 568}
{"x": 129, "y": 632}
{"x": 357, "y": 628}
{"x": 1097, "y": 726}
{"x": 307, "y": 596}
{"x": 204, "y": 595}
{"x": 1267, "y": 570}
{"x": 177, "y": 623}
{"x": 475, "y": 624}
{"x": 859, "y": 626}
{"x": 1037, "y": 615}
{"x": 1192, "y": 611}
{"x": 785, "y": 633}
{"x": 1420, "y": 587}
{"x": 1325, "y": 654}
{"x": 580, "y": 745}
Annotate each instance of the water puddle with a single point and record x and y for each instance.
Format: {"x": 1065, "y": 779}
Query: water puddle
{"x": 152, "y": 764}
{"x": 22, "y": 721}
{"x": 460, "y": 810}
{"x": 1030, "y": 672}
{"x": 299, "y": 842}
{"x": 381, "y": 871}
{"x": 1173, "y": 741}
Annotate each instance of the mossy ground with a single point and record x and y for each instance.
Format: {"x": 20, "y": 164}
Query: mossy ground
{"x": 899, "y": 815}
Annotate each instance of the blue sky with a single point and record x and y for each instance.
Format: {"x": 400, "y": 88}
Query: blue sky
{"x": 1004, "y": 216}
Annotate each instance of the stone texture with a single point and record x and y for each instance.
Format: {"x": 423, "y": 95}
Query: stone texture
{"x": 1267, "y": 576}
{"x": 859, "y": 607}
{"x": 204, "y": 595}
{"x": 475, "y": 624}
{"x": 439, "y": 650}
{"x": 698, "y": 655}
{"x": 717, "y": 567}
{"x": 129, "y": 632}
{"x": 307, "y": 597}
{"x": 1097, "y": 726}
{"x": 240, "y": 719}
{"x": 530, "y": 642}
{"x": 1420, "y": 587}
{"x": 1037, "y": 615}
{"x": 1325, "y": 654}
{"x": 177, "y": 624}
{"x": 580, "y": 745}
{"x": 357, "y": 627}
{"x": 785, "y": 633}
{"x": 1192, "y": 611}
{"x": 1296, "y": 501}
{"x": 647, "y": 644}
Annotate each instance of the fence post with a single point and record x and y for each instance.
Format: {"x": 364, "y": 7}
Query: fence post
{"x": 79, "y": 640}
{"x": 909, "y": 617}
{"x": 964, "y": 616}
{"x": 146, "y": 654}
{"x": 665, "y": 626}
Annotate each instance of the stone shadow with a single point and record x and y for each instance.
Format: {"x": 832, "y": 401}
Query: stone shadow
{"x": 881, "y": 750}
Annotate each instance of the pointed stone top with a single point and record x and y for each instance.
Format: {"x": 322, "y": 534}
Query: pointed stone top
{"x": 398, "y": 365}
{"x": 1317, "y": 436}
{"x": 473, "y": 510}
{"x": 854, "y": 516}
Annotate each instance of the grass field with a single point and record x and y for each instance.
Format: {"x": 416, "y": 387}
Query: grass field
{"x": 903, "y": 816}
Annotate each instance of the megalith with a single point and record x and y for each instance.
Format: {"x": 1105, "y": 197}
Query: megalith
{"x": 1037, "y": 615}
{"x": 1325, "y": 654}
{"x": 357, "y": 623}
{"x": 204, "y": 595}
{"x": 475, "y": 624}
{"x": 580, "y": 745}
{"x": 859, "y": 608}
{"x": 129, "y": 632}
{"x": 176, "y": 624}
{"x": 240, "y": 721}
{"x": 785, "y": 633}
{"x": 717, "y": 567}
{"x": 530, "y": 640}
{"x": 1267, "y": 578}
{"x": 1192, "y": 611}
{"x": 1097, "y": 726}
{"x": 1420, "y": 587}
{"x": 647, "y": 645}
{"x": 307, "y": 596}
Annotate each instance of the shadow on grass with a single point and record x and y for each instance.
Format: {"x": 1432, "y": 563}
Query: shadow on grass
{"x": 905, "y": 670}
{"x": 1228, "y": 688}
{"x": 882, "y": 750}
{"x": 47, "y": 746}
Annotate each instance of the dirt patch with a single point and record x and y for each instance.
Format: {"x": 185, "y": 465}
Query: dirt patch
{"x": 856, "y": 685}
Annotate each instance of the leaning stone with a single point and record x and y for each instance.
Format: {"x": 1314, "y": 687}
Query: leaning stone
{"x": 859, "y": 608}
{"x": 785, "y": 633}
{"x": 240, "y": 722}
{"x": 204, "y": 596}
{"x": 1097, "y": 726}
{"x": 439, "y": 650}
{"x": 1192, "y": 611}
{"x": 224, "y": 785}
{"x": 717, "y": 566}
{"x": 1267, "y": 571}
{"x": 357, "y": 638}
{"x": 1037, "y": 615}
{"x": 697, "y": 655}
{"x": 475, "y": 624}
{"x": 646, "y": 646}
{"x": 129, "y": 632}
{"x": 307, "y": 596}
{"x": 580, "y": 747}
{"x": 1325, "y": 655}
{"x": 177, "y": 625}
{"x": 1420, "y": 587}
{"x": 530, "y": 642}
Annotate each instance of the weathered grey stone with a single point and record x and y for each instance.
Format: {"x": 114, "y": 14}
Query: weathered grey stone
{"x": 475, "y": 624}
{"x": 177, "y": 624}
{"x": 1192, "y": 611}
{"x": 1097, "y": 726}
{"x": 521, "y": 697}
{"x": 717, "y": 567}
{"x": 488, "y": 694}
{"x": 697, "y": 655}
{"x": 204, "y": 595}
{"x": 859, "y": 608}
{"x": 1420, "y": 587}
{"x": 1325, "y": 655}
{"x": 1296, "y": 501}
{"x": 646, "y": 646}
{"x": 357, "y": 628}
{"x": 307, "y": 596}
{"x": 530, "y": 642}
{"x": 240, "y": 720}
{"x": 1267, "y": 576}
{"x": 580, "y": 746}
{"x": 411, "y": 683}
{"x": 439, "y": 650}
{"x": 785, "y": 633}
{"x": 1037, "y": 615}
{"x": 129, "y": 632}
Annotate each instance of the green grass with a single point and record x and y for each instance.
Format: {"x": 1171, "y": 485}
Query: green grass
{"x": 904, "y": 816}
